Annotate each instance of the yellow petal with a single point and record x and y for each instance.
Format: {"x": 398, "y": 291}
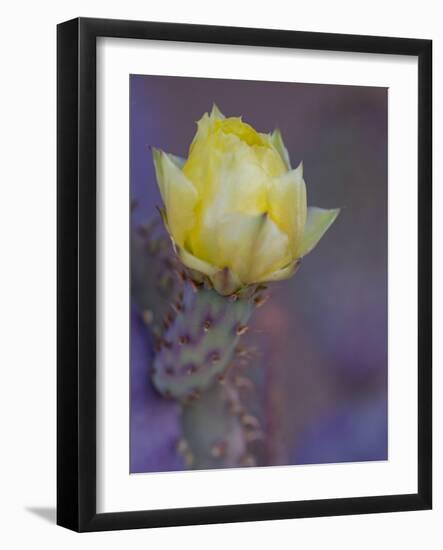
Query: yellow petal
{"x": 178, "y": 194}
{"x": 206, "y": 125}
{"x": 216, "y": 114}
{"x": 282, "y": 274}
{"x": 225, "y": 172}
{"x": 225, "y": 281}
{"x": 178, "y": 161}
{"x": 236, "y": 240}
{"x": 245, "y": 132}
{"x": 270, "y": 253}
{"x": 191, "y": 261}
{"x": 275, "y": 141}
{"x": 317, "y": 223}
{"x": 224, "y": 163}
{"x": 269, "y": 161}
{"x": 287, "y": 205}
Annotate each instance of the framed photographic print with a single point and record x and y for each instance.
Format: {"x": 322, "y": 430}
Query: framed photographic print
{"x": 244, "y": 274}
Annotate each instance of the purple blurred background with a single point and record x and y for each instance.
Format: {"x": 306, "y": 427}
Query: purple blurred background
{"x": 324, "y": 332}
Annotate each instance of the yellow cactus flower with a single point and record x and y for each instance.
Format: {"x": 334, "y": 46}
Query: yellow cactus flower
{"x": 235, "y": 209}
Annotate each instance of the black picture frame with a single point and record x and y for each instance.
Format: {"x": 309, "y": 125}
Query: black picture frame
{"x": 76, "y": 280}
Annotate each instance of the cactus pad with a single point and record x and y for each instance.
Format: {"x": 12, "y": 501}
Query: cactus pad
{"x": 198, "y": 343}
{"x": 153, "y": 280}
{"x": 213, "y": 435}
